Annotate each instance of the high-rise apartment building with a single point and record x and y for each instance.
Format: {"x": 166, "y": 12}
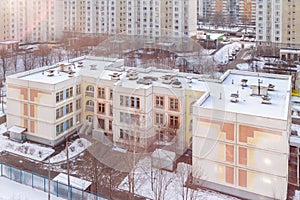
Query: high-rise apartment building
{"x": 227, "y": 11}
{"x": 30, "y": 21}
{"x": 161, "y": 18}
{"x": 277, "y": 21}
{"x": 41, "y": 21}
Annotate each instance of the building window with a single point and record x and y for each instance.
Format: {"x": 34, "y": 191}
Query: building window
{"x": 132, "y": 102}
{"x": 101, "y": 108}
{"x": 101, "y": 93}
{"x": 59, "y": 128}
{"x": 123, "y": 134}
{"x": 59, "y": 112}
{"x": 111, "y": 110}
{"x": 130, "y": 119}
{"x": 78, "y": 118}
{"x": 159, "y": 101}
{"x": 110, "y": 94}
{"x": 78, "y": 89}
{"x": 69, "y": 108}
{"x": 173, "y": 104}
{"x": 69, "y": 92}
{"x": 69, "y": 123}
{"x": 173, "y": 121}
{"x": 89, "y": 91}
{"x": 89, "y": 106}
{"x": 101, "y": 123}
{"x": 78, "y": 104}
{"x": 59, "y": 96}
{"x": 110, "y": 125}
{"x": 159, "y": 118}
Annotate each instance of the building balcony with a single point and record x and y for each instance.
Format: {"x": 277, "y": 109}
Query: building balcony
{"x": 89, "y": 108}
{"x": 89, "y": 94}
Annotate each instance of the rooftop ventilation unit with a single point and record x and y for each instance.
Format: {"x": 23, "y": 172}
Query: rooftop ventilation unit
{"x": 167, "y": 79}
{"x": 50, "y": 72}
{"x": 93, "y": 67}
{"x": 80, "y": 64}
{"x": 266, "y": 99}
{"x": 176, "y": 84}
{"x": 71, "y": 73}
{"x": 144, "y": 81}
{"x": 189, "y": 79}
{"x": 271, "y": 87}
{"x": 115, "y": 76}
{"x": 234, "y": 98}
{"x": 244, "y": 82}
{"x": 132, "y": 75}
{"x": 151, "y": 78}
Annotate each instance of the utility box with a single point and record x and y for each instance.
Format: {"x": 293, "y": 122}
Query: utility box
{"x": 17, "y": 133}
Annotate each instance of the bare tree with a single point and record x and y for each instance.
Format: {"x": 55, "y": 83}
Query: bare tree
{"x": 44, "y": 55}
{"x": 4, "y": 54}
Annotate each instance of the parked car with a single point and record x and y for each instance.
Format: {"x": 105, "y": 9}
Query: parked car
{"x": 230, "y": 57}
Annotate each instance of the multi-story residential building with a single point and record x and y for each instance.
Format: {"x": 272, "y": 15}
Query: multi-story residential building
{"x": 277, "y": 21}
{"x": 43, "y": 21}
{"x": 241, "y": 135}
{"x": 31, "y": 21}
{"x": 228, "y": 11}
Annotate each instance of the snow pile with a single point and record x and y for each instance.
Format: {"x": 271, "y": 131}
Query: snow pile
{"x": 28, "y": 150}
{"x": 10, "y": 190}
{"x": 167, "y": 185}
{"x": 78, "y": 146}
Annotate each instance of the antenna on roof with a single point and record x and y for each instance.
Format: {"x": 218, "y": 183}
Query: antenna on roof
{"x": 220, "y": 96}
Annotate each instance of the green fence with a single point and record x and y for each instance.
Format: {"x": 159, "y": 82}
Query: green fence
{"x": 42, "y": 183}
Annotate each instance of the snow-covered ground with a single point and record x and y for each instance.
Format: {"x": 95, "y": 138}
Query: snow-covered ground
{"x": 38, "y": 152}
{"x": 78, "y": 146}
{"x": 28, "y": 150}
{"x": 221, "y": 56}
{"x": 11, "y": 190}
{"x": 167, "y": 185}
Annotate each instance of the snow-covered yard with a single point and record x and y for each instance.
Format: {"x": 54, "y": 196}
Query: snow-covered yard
{"x": 39, "y": 152}
{"x": 28, "y": 150}
{"x": 167, "y": 185}
{"x": 78, "y": 146}
{"x": 11, "y": 190}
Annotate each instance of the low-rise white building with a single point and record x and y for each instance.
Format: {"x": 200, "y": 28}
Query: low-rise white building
{"x": 241, "y": 134}
{"x": 238, "y": 126}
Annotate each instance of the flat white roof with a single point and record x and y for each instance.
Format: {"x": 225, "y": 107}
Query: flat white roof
{"x": 41, "y": 75}
{"x": 220, "y": 95}
{"x": 74, "y": 182}
{"x": 164, "y": 154}
{"x": 16, "y": 129}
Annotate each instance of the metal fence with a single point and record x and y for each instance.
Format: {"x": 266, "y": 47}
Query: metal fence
{"x": 42, "y": 183}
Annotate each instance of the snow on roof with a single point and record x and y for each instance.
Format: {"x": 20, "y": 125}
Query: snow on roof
{"x": 295, "y": 141}
{"x": 164, "y": 154}
{"x": 9, "y": 42}
{"x": 289, "y": 51}
{"x": 220, "y": 95}
{"x": 74, "y": 181}
{"x": 42, "y": 75}
{"x": 16, "y": 129}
